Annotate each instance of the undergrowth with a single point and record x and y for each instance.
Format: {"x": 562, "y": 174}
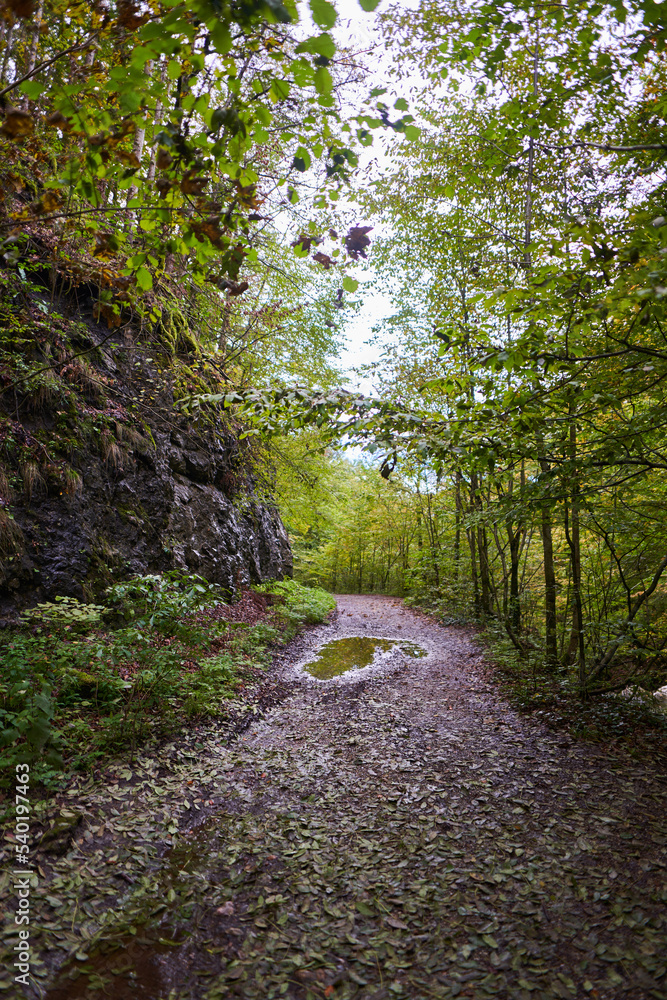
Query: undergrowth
{"x": 82, "y": 682}
{"x": 630, "y": 719}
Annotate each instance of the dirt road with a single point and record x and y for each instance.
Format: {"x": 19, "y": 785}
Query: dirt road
{"x": 401, "y": 833}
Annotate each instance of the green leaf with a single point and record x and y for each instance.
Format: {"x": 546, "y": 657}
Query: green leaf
{"x": 323, "y": 81}
{"x": 32, "y": 89}
{"x": 365, "y": 909}
{"x": 349, "y": 284}
{"x": 144, "y": 279}
{"x": 324, "y": 13}
{"x": 321, "y": 45}
{"x": 368, "y": 5}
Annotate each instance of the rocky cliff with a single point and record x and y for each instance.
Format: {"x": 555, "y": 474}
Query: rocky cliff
{"x": 101, "y": 478}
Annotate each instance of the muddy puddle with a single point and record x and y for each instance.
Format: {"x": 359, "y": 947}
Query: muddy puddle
{"x": 356, "y": 652}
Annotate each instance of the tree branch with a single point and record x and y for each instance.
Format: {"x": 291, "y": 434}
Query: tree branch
{"x": 49, "y": 62}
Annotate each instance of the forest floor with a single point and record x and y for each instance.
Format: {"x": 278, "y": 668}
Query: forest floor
{"x": 399, "y": 833}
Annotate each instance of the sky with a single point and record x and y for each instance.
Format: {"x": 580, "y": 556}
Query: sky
{"x": 357, "y": 28}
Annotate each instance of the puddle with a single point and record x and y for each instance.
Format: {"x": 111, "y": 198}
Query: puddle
{"x": 353, "y": 653}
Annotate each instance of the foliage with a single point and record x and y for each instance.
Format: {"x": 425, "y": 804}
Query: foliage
{"x": 163, "y": 138}
{"x": 64, "y": 612}
{"x": 70, "y": 696}
{"x": 301, "y": 604}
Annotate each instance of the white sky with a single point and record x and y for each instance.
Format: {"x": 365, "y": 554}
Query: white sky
{"x": 357, "y": 28}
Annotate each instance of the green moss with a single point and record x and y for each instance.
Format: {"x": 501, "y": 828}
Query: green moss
{"x": 172, "y": 329}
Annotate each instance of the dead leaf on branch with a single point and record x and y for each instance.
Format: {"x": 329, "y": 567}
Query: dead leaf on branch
{"x": 50, "y": 201}
{"x": 163, "y": 159}
{"x": 191, "y": 184}
{"x": 18, "y": 8}
{"x": 324, "y": 259}
{"x": 304, "y": 241}
{"x": 106, "y": 244}
{"x": 129, "y": 16}
{"x": 103, "y": 311}
{"x": 233, "y": 287}
{"x": 129, "y": 159}
{"x": 209, "y": 229}
{"x": 17, "y": 124}
{"x": 356, "y": 241}
{"x": 163, "y": 186}
{"x": 247, "y": 195}
{"x": 16, "y": 183}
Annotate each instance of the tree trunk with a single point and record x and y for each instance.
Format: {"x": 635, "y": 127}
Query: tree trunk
{"x": 514, "y": 538}
{"x": 457, "y": 533}
{"x": 573, "y": 540}
{"x": 31, "y": 60}
{"x": 7, "y": 43}
{"x": 159, "y": 112}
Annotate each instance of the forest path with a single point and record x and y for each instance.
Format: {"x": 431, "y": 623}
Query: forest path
{"x": 408, "y": 835}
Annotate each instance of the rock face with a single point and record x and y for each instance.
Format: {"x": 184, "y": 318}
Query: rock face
{"x": 145, "y": 519}
{"x": 148, "y": 491}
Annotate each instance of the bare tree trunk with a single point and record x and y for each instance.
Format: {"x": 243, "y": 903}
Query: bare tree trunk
{"x": 470, "y": 535}
{"x": 482, "y": 547}
{"x": 457, "y": 533}
{"x": 31, "y": 60}
{"x": 7, "y": 44}
{"x": 573, "y": 540}
{"x": 159, "y": 112}
{"x": 550, "y": 620}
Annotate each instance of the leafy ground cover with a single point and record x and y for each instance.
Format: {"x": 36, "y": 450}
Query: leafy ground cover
{"x": 628, "y": 722}
{"x": 83, "y": 681}
{"x": 404, "y": 834}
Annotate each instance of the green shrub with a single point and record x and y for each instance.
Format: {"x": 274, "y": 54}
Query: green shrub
{"x": 303, "y": 605}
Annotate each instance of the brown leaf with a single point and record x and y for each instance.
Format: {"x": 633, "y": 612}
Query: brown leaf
{"x": 129, "y": 16}
{"x": 58, "y": 120}
{"x": 248, "y": 195}
{"x": 103, "y": 311}
{"x": 324, "y": 259}
{"x": 105, "y": 244}
{"x": 356, "y": 241}
{"x": 163, "y": 159}
{"x": 17, "y": 124}
{"x": 130, "y": 159}
{"x": 226, "y": 910}
{"x": 20, "y": 8}
{"x": 305, "y": 241}
{"x": 49, "y": 202}
{"x": 233, "y": 287}
{"x": 209, "y": 228}
{"x": 163, "y": 186}
{"x": 192, "y": 184}
{"x": 15, "y": 182}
